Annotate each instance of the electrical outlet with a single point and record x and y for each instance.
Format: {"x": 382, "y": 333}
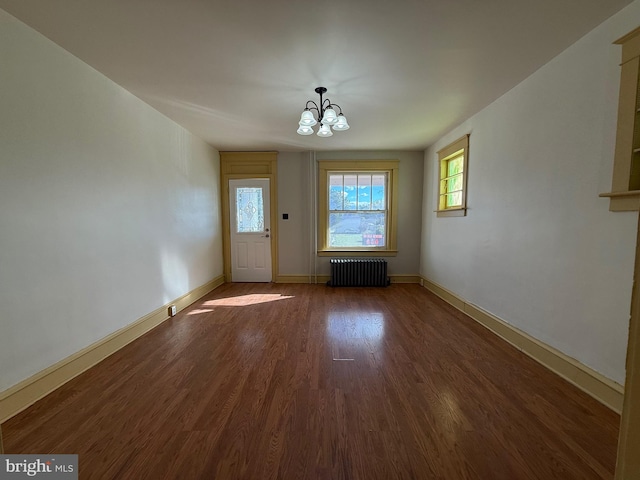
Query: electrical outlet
{"x": 172, "y": 310}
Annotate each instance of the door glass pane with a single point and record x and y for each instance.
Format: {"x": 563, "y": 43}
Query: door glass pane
{"x": 249, "y": 210}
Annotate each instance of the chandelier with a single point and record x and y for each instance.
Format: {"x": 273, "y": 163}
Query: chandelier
{"x": 327, "y": 117}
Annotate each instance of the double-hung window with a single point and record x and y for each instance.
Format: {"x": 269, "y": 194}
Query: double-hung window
{"x": 357, "y": 206}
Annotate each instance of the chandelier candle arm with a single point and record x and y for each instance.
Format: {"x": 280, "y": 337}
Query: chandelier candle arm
{"x": 326, "y": 117}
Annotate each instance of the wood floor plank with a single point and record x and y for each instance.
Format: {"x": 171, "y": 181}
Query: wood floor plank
{"x": 264, "y": 381}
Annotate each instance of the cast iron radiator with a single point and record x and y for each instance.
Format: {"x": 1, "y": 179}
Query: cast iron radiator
{"x": 358, "y": 272}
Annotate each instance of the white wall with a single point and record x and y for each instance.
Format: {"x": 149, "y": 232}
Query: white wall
{"x": 108, "y": 209}
{"x": 538, "y": 247}
{"x": 296, "y": 242}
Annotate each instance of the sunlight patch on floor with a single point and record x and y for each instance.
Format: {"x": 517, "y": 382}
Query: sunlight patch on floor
{"x": 198, "y": 311}
{"x": 245, "y": 300}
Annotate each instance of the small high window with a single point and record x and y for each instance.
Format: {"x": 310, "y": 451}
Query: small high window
{"x": 452, "y": 190}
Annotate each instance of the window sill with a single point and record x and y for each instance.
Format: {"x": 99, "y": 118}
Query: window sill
{"x": 452, "y": 212}
{"x": 628, "y": 201}
{"x": 360, "y": 253}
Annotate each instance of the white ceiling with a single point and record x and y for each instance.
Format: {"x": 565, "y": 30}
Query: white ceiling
{"x": 238, "y": 73}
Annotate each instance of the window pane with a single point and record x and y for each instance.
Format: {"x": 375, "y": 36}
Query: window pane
{"x": 249, "y": 210}
{"x": 350, "y": 192}
{"x": 454, "y": 200}
{"x": 336, "y": 192}
{"x": 454, "y": 183}
{"x": 364, "y": 192}
{"x": 357, "y": 229}
{"x": 378, "y": 192}
{"x": 455, "y": 165}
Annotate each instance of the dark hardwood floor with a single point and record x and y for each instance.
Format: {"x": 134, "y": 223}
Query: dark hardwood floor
{"x": 263, "y": 381}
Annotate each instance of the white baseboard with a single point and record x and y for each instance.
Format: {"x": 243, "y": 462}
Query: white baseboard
{"x": 601, "y": 388}
{"x": 29, "y": 391}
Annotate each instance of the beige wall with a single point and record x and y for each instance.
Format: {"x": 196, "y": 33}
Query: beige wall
{"x": 108, "y": 209}
{"x": 296, "y": 190}
{"x": 295, "y": 198}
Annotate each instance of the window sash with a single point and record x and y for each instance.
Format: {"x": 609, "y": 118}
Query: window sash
{"x": 363, "y": 182}
{"x": 453, "y": 176}
{"x": 381, "y": 179}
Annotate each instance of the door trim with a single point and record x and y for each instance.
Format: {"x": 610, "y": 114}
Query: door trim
{"x": 239, "y": 165}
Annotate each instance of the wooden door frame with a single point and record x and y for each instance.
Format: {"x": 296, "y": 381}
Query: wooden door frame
{"x": 239, "y": 165}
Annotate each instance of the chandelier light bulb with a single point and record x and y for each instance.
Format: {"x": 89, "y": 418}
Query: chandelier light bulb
{"x": 305, "y": 130}
{"x": 325, "y": 131}
{"x": 330, "y": 117}
{"x": 341, "y": 124}
{"x": 306, "y": 119}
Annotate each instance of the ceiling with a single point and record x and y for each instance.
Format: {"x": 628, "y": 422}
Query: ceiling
{"x": 237, "y": 73}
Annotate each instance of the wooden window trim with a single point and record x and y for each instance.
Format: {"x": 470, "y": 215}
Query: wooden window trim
{"x": 445, "y": 154}
{"x": 622, "y": 197}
